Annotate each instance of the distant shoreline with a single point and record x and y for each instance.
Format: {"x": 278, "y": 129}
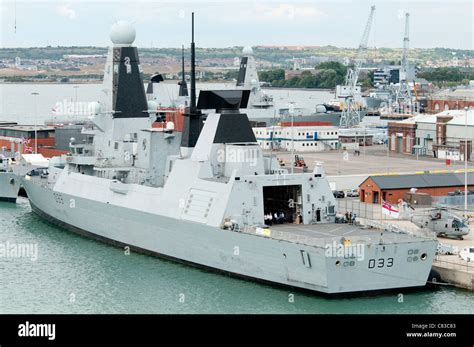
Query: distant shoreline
{"x": 50, "y": 82}
{"x": 300, "y": 89}
{"x": 167, "y": 82}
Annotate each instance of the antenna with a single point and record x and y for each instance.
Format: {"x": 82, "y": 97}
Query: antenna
{"x": 182, "y": 64}
{"x": 15, "y": 16}
{"x": 192, "y": 106}
{"x": 183, "y": 87}
{"x": 193, "y": 117}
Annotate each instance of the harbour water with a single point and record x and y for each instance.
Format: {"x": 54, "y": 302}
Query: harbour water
{"x": 18, "y": 104}
{"x": 73, "y": 274}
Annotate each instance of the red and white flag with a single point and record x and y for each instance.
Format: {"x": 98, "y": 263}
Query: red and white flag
{"x": 26, "y": 145}
{"x": 389, "y": 210}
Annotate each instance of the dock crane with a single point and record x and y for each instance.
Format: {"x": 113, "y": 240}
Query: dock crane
{"x": 403, "y": 97}
{"x": 351, "y": 113}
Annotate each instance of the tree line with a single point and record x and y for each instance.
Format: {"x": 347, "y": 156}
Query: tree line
{"x": 447, "y": 76}
{"x": 325, "y": 76}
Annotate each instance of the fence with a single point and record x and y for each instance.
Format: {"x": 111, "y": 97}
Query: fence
{"x": 456, "y": 200}
{"x": 361, "y": 209}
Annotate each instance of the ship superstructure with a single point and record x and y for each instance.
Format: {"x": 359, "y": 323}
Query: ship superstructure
{"x": 248, "y": 79}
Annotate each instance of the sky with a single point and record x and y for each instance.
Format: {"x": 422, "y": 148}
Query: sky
{"x": 227, "y": 23}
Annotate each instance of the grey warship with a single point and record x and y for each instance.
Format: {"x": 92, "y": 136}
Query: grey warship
{"x": 202, "y": 195}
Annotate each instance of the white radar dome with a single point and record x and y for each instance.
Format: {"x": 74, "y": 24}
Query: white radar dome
{"x": 247, "y": 51}
{"x": 320, "y": 109}
{"x": 122, "y": 33}
{"x": 152, "y": 106}
{"x": 170, "y": 126}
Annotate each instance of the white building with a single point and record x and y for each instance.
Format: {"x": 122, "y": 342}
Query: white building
{"x": 432, "y": 140}
{"x": 302, "y": 138}
{"x": 458, "y": 129}
{"x": 425, "y": 134}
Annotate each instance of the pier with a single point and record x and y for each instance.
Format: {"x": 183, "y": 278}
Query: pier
{"x": 452, "y": 269}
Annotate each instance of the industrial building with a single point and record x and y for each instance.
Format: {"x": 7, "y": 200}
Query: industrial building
{"x": 393, "y": 74}
{"x": 52, "y": 140}
{"x": 451, "y": 99}
{"x": 401, "y": 136}
{"x": 386, "y": 76}
{"x": 440, "y": 135}
{"x": 12, "y": 137}
{"x": 299, "y": 138}
{"x": 392, "y": 188}
{"x": 352, "y": 138}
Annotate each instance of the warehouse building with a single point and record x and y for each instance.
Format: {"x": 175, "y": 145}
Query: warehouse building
{"x": 451, "y": 99}
{"x": 392, "y": 188}
{"x": 440, "y": 135}
{"x": 301, "y": 138}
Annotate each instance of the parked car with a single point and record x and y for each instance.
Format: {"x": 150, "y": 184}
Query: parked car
{"x": 454, "y": 193}
{"x": 460, "y": 192}
{"x": 338, "y": 194}
{"x": 353, "y": 193}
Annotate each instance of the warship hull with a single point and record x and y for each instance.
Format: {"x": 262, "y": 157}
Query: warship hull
{"x": 241, "y": 254}
{"x": 373, "y": 103}
{"x": 9, "y": 186}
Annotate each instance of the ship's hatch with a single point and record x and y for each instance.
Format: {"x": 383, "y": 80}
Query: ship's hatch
{"x": 284, "y": 202}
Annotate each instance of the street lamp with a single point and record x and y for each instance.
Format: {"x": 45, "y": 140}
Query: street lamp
{"x": 465, "y": 161}
{"x": 36, "y": 122}
{"x": 364, "y": 138}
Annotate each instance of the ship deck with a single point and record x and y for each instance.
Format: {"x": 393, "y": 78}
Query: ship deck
{"x": 324, "y": 233}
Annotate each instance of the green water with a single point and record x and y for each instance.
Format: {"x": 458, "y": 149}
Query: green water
{"x": 76, "y": 275}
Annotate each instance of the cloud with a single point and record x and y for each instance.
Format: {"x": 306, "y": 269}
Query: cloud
{"x": 3, "y": 9}
{"x": 241, "y": 11}
{"x": 266, "y": 12}
{"x": 285, "y": 11}
{"x": 65, "y": 10}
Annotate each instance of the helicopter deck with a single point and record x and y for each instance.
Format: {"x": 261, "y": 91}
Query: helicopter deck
{"x": 325, "y": 233}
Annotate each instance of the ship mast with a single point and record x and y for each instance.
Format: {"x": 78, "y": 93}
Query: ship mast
{"x": 193, "y": 118}
{"x": 192, "y": 107}
{"x": 183, "y": 87}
